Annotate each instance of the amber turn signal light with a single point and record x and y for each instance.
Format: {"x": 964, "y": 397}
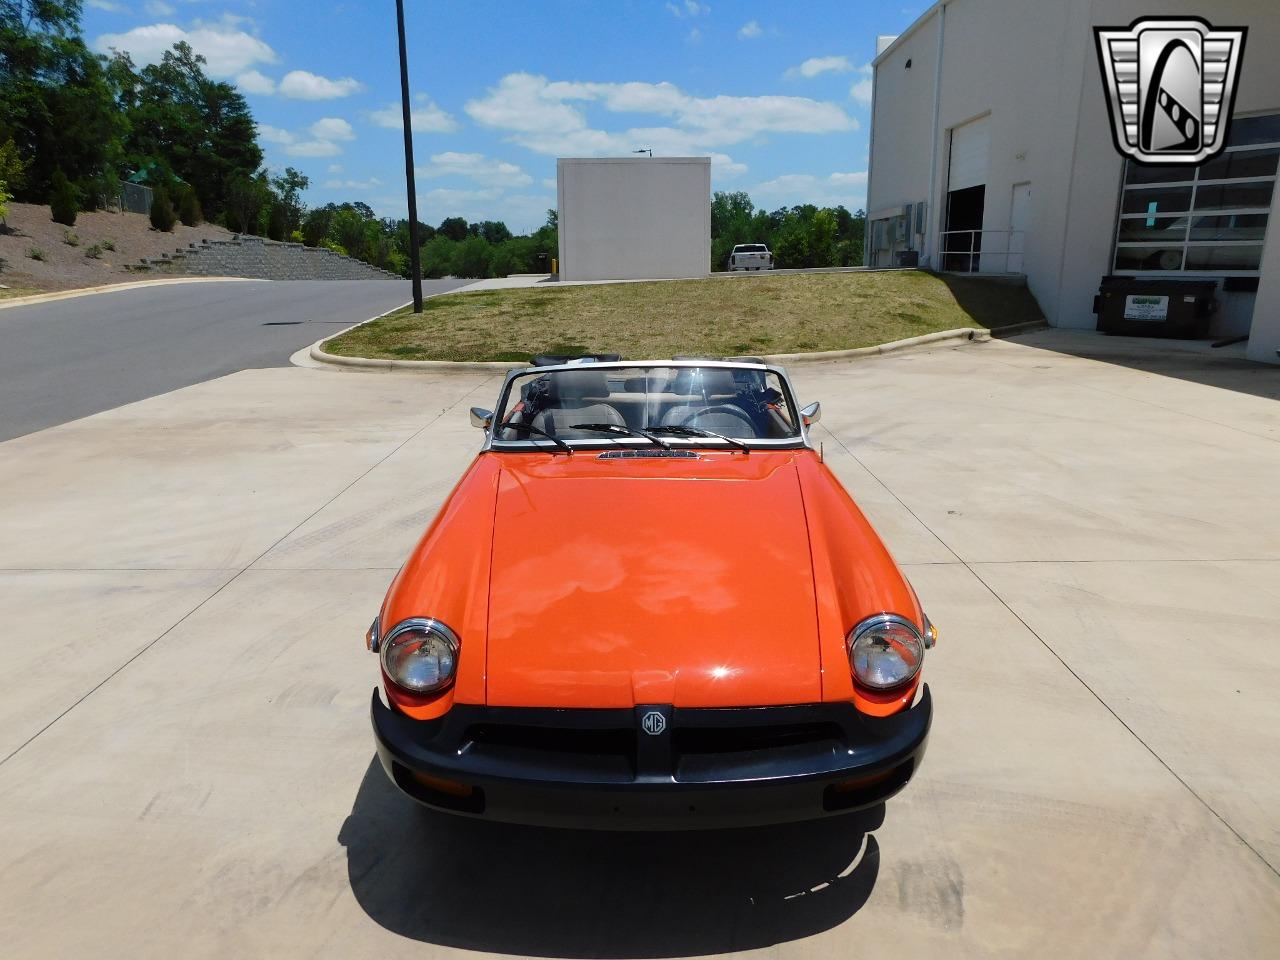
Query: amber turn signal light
{"x": 452, "y": 787}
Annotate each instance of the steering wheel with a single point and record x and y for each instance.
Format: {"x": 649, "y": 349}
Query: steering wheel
{"x": 723, "y": 409}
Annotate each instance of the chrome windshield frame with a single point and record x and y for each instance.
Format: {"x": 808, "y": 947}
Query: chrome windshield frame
{"x": 536, "y": 444}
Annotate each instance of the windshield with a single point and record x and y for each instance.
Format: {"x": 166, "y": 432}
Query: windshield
{"x": 679, "y": 406}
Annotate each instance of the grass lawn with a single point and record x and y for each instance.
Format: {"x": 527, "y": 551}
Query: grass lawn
{"x": 9, "y": 293}
{"x": 720, "y": 316}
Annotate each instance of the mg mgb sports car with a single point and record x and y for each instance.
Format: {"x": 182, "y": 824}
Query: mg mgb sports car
{"x": 649, "y": 604}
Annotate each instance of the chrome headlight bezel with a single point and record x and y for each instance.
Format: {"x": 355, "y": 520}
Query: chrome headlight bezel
{"x": 864, "y": 631}
{"x": 419, "y": 628}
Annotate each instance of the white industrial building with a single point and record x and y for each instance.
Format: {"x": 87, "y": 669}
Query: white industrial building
{"x": 991, "y": 116}
{"x": 634, "y": 218}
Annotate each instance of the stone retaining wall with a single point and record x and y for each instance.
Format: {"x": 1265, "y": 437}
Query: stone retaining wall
{"x": 260, "y": 259}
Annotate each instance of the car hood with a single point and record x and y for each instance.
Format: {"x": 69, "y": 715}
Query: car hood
{"x": 617, "y": 582}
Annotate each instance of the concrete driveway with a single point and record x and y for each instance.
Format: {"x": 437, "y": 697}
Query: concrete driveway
{"x": 186, "y": 765}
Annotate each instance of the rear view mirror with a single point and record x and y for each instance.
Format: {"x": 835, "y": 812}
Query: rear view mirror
{"x": 811, "y": 414}
{"x": 481, "y": 417}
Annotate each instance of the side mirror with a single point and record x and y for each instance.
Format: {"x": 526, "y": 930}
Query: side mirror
{"x": 481, "y": 418}
{"x": 811, "y": 414}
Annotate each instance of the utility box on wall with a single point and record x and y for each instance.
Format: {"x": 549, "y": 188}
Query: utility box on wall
{"x": 634, "y": 218}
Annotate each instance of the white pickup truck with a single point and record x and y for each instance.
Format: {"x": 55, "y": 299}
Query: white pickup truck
{"x": 750, "y": 256}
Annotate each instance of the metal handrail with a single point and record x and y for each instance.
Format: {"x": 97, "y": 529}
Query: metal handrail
{"x": 974, "y": 256}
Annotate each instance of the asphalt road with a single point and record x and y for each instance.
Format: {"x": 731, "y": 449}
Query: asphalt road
{"x": 68, "y": 359}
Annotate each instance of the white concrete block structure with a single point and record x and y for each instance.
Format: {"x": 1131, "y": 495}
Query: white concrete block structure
{"x": 991, "y": 116}
{"x": 634, "y": 218}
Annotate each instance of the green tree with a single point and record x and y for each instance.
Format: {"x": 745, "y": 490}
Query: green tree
{"x": 472, "y": 258}
{"x": 494, "y": 231}
{"x": 437, "y": 256}
{"x": 289, "y": 188}
{"x": 455, "y": 228}
{"x": 822, "y": 239}
{"x": 246, "y": 195}
{"x": 13, "y": 169}
{"x": 189, "y": 211}
{"x": 64, "y": 203}
{"x": 315, "y": 226}
{"x": 56, "y": 103}
{"x": 202, "y": 128}
{"x": 162, "y": 215}
{"x": 278, "y": 222}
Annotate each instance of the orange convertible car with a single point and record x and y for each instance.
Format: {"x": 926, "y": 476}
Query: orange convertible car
{"x": 649, "y": 604}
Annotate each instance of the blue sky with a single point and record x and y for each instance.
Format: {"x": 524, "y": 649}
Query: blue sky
{"x": 776, "y": 93}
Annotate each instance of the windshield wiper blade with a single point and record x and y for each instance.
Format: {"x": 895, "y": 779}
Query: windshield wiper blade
{"x": 620, "y": 428}
{"x": 699, "y": 432}
{"x": 530, "y": 428}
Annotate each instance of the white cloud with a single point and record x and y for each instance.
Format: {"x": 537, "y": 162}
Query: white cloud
{"x": 475, "y": 166}
{"x": 550, "y": 183}
{"x": 332, "y": 128}
{"x": 228, "y": 48}
{"x": 370, "y": 184}
{"x": 274, "y": 134}
{"x": 693, "y": 36}
{"x": 253, "y": 81}
{"x": 294, "y": 146}
{"x": 335, "y": 168}
{"x": 304, "y": 85}
{"x": 750, "y": 30}
{"x": 849, "y": 189}
{"x": 689, "y": 8}
{"x": 861, "y": 89}
{"x": 426, "y": 117}
{"x": 543, "y": 116}
{"x": 106, "y": 5}
{"x": 815, "y": 66}
{"x": 159, "y": 8}
{"x": 724, "y": 166}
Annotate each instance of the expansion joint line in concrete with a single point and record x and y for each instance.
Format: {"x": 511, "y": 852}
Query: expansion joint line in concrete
{"x": 236, "y": 576}
{"x": 1054, "y": 653}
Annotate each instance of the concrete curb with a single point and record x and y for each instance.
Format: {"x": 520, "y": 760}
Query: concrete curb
{"x": 114, "y": 287}
{"x": 960, "y": 335}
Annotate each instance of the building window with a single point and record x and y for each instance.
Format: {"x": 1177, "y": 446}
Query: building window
{"x": 1210, "y": 219}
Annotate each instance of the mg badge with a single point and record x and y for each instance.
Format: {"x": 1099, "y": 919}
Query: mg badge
{"x": 653, "y": 723}
{"x": 1170, "y": 86}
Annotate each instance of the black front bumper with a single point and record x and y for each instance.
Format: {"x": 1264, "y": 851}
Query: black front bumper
{"x": 701, "y": 768}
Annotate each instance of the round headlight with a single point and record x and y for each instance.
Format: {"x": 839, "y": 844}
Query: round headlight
{"x": 885, "y": 651}
{"x": 420, "y": 655}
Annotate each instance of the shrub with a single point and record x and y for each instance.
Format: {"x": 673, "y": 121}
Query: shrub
{"x": 471, "y": 258}
{"x": 63, "y": 202}
{"x": 189, "y": 211}
{"x": 70, "y": 239}
{"x": 35, "y": 253}
{"x": 162, "y": 216}
{"x": 295, "y": 237}
{"x": 5, "y": 197}
{"x": 108, "y": 244}
{"x": 93, "y": 252}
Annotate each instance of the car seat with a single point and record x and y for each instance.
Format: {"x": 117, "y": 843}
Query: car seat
{"x": 576, "y": 396}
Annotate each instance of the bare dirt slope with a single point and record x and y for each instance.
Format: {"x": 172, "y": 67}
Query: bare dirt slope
{"x": 66, "y": 267}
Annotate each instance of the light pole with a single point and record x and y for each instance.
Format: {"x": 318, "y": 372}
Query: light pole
{"x": 415, "y": 258}
{"x": 644, "y": 150}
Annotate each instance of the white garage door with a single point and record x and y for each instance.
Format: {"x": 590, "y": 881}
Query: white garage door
{"x": 970, "y": 145}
